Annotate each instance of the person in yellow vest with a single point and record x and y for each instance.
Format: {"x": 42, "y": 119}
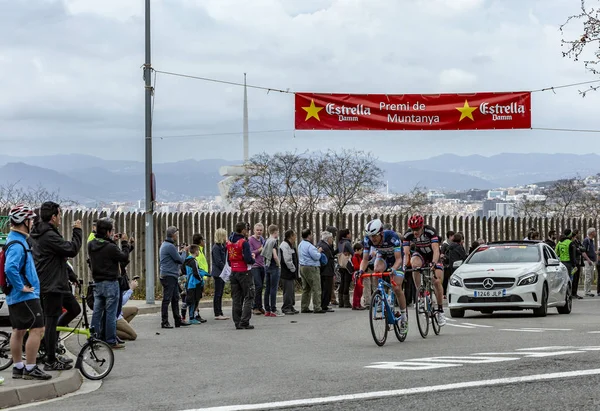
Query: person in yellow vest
{"x": 92, "y": 235}
{"x": 198, "y": 240}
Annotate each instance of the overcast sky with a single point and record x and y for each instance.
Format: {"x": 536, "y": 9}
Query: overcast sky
{"x": 71, "y": 82}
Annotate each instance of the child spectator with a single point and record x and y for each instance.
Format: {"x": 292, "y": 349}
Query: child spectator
{"x": 194, "y": 283}
{"x": 358, "y": 287}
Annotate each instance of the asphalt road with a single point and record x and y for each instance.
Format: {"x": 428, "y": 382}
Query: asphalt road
{"x": 311, "y": 356}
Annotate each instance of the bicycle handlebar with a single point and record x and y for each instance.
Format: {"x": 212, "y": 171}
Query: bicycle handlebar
{"x": 379, "y": 275}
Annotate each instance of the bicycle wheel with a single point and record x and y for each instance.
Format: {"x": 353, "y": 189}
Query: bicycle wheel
{"x": 399, "y": 335}
{"x": 378, "y": 319}
{"x": 434, "y": 321}
{"x": 5, "y": 355}
{"x": 422, "y": 314}
{"x": 95, "y": 360}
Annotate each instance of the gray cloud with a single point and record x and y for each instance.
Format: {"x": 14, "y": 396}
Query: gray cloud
{"x": 70, "y": 72}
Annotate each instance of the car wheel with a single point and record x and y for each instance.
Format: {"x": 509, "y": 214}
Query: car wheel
{"x": 457, "y": 313}
{"x": 566, "y": 309}
{"x": 542, "y": 311}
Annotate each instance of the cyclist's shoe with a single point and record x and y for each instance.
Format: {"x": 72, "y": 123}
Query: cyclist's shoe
{"x": 17, "y": 373}
{"x": 55, "y": 366}
{"x": 441, "y": 318}
{"x": 64, "y": 359}
{"x": 35, "y": 374}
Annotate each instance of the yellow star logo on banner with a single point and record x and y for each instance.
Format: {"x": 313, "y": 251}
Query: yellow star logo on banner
{"x": 466, "y": 111}
{"x": 312, "y": 111}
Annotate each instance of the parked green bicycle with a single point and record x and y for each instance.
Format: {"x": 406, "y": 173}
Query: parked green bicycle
{"x": 95, "y": 359}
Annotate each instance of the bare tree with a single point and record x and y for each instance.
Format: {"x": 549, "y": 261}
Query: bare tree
{"x": 407, "y": 203}
{"x": 530, "y": 208}
{"x": 588, "y": 38}
{"x": 310, "y": 188}
{"x": 14, "y": 193}
{"x": 350, "y": 176}
{"x": 588, "y": 205}
{"x": 562, "y": 196}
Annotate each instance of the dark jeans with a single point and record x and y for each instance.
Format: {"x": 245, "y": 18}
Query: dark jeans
{"x": 574, "y": 278}
{"x": 598, "y": 279}
{"x": 271, "y": 287}
{"x": 289, "y": 295}
{"x": 104, "y": 318}
{"x": 52, "y": 307}
{"x": 170, "y": 296}
{"x": 258, "y": 274}
{"x": 326, "y": 284}
{"x": 242, "y": 294}
{"x": 218, "y": 298}
{"x": 346, "y": 280}
{"x": 73, "y": 308}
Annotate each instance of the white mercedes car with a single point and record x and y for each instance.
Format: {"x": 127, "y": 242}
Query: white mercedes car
{"x": 510, "y": 275}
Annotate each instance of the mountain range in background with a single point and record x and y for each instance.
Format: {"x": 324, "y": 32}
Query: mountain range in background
{"x": 91, "y": 180}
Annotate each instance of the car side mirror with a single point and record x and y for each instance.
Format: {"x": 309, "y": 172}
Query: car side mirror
{"x": 457, "y": 264}
{"x": 553, "y": 262}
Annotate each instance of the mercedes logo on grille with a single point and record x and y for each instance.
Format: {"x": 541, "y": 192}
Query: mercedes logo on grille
{"x": 488, "y": 283}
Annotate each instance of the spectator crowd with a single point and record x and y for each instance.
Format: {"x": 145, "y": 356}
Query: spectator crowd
{"x": 40, "y": 278}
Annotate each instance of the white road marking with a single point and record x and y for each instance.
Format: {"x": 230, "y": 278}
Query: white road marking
{"x": 467, "y": 359}
{"x": 460, "y": 326}
{"x": 450, "y": 319}
{"x": 520, "y": 330}
{"x": 547, "y": 329}
{"x": 479, "y": 325}
{"x": 552, "y": 347}
{"x": 410, "y": 366}
{"x": 594, "y": 332}
{"x": 405, "y": 391}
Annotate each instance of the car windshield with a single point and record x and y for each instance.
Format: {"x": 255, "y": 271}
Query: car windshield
{"x": 508, "y": 254}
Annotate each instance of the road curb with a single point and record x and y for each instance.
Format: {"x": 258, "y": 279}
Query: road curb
{"x": 208, "y": 303}
{"x": 19, "y": 392}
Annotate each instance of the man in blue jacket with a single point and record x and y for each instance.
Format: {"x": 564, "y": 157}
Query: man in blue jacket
{"x": 171, "y": 260}
{"x": 23, "y": 298}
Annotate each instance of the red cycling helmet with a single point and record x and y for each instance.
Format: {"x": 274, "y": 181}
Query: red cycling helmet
{"x": 416, "y": 221}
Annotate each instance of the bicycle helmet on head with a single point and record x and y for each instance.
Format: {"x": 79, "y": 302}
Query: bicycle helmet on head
{"x": 374, "y": 227}
{"x": 416, "y": 221}
{"x": 20, "y": 213}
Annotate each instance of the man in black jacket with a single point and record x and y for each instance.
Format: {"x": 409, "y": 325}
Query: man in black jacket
{"x": 327, "y": 270}
{"x": 50, "y": 253}
{"x": 105, "y": 257}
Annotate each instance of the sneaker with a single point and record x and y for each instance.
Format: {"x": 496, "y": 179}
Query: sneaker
{"x": 277, "y": 314}
{"x": 589, "y": 295}
{"x": 307, "y": 311}
{"x": 116, "y": 346}
{"x": 202, "y": 320}
{"x": 256, "y": 311}
{"x": 441, "y": 318}
{"x": 182, "y": 324}
{"x": 35, "y": 374}
{"x": 296, "y": 311}
{"x": 64, "y": 359}
{"x": 268, "y": 314}
{"x": 194, "y": 321}
{"x": 289, "y": 313}
{"x": 320, "y": 312}
{"x": 578, "y": 297}
{"x": 221, "y": 318}
{"x": 55, "y": 366}
{"x": 245, "y": 327}
{"x": 166, "y": 325}
{"x": 17, "y": 373}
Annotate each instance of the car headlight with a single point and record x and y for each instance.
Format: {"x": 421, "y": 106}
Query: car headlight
{"x": 455, "y": 281}
{"x": 528, "y": 279}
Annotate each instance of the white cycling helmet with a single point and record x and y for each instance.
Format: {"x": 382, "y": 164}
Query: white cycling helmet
{"x": 374, "y": 227}
{"x": 19, "y": 213}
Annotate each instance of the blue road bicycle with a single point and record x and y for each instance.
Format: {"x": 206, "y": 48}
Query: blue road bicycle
{"x": 382, "y": 313}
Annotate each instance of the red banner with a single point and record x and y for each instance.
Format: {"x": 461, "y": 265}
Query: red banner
{"x": 479, "y": 111}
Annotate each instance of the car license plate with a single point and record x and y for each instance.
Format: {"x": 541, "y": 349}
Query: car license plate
{"x": 490, "y": 293}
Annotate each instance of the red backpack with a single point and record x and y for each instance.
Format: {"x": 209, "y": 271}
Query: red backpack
{"x": 4, "y": 285}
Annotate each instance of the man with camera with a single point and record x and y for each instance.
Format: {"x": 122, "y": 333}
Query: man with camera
{"x": 50, "y": 253}
{"x": 106, "y": 258}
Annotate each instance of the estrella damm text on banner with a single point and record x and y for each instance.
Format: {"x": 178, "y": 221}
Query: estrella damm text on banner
{"x": 477, "y": 111}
